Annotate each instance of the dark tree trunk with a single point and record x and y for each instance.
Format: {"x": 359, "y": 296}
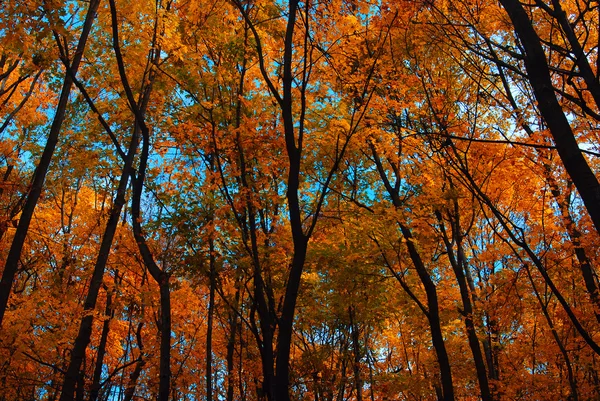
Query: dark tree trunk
{"x": 433, "y": 316}
{"x": 570, "y": 376}
{"x": 101, "y": 349}
{"x": 139, "y": 365}
{"x": 432, "y": 310}
{"x": 539, "y": 76}
{"x": 356, "y": 351}
{"x": 457, "y": 263}
{"x": 85, "y": 327}
{"x": 284, "y": 339}
{"x": 277, "y": 385}
{"x": 158, "y": 274}
{"x": 14, "y": 254}
{"x": 165, "y": 338}
{"x": 211, "y": 309}
{"x": 233, "y": 327}
{"x": 80, "y": 390}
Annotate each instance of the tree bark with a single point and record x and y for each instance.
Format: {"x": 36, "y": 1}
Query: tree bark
{"x": 85, "y": 327}
{"x": 432, "y": 311}
{"x": 356, "y": 351}
{"x": 95, "y": 390}
{"x": 433, "y": 316}
{"x": 39, "y": 176}
{"x": 570, "y": 376}
{"x": 211, "y": 310}
{"x": 538, "y": 74}
{"x": 139, "y": 365}
{"x": 457, "y": 263}
{"x": 233, "y": 327}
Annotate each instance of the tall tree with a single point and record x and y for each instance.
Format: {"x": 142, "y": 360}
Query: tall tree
{"x": 37, "y": 183}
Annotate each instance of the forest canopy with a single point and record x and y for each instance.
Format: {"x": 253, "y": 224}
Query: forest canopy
{"x": 331, "y": 200}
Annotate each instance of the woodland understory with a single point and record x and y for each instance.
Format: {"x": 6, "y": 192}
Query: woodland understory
{"x": 329, "y": 200}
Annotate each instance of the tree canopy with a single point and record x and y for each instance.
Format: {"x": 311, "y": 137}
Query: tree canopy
{"x": 334, "y": 200}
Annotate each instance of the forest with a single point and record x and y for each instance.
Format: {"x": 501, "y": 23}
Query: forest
{"x": 328, "y": 200}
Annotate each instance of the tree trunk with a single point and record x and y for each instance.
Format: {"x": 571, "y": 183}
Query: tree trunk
{"x": 437, "y": 338}
{"x": 211, "y": 309}
{"x": 284, "y": 339}
{"x": 233, "y": 327}
{"x": 538, "y": 74}
{"x": 165, "y": 339}
{"x": 101, "y": 349}
{"x": 457, "y": 263}
{"x": 85, "y": 327}
{"x": 570, "y": 376}
{"x": 432, "y": 311}
{"x": 14, "y": 254}
{"x": 139, "y": 365}
{"x": 356, "y": 351}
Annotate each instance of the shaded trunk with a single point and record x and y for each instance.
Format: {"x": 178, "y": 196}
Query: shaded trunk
{"x": 284, "y": 339}
{"x": 80, "y": 390}
{"x": 85, "y": 328}
{"x": 570, "y": 376}
{"x": 300, "y": 240}
{"x": 139, "y": 365}
{"x": 211, "y": 309}
{"x": 101, "y": 349}
{"x": 433, "y": 316}
{"x": 491, "y": 350}
{"x": 538, "y": 74}
{"x": 39, "y": 176}
{"x": 457, "y": 263}
{"x": 165, "y": 339}
{"x": 356, "y": 351}
{"x": 159, "y": 275}
{"x": 432, "y": 310}
{"x": 233, "y": 326}
{"x": 162, "y": 278}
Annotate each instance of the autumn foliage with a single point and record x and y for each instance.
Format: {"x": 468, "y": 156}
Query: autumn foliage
{"x": 324, "y": 200}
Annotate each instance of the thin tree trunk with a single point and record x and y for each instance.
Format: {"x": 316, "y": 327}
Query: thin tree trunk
{"x": 356, "y": 351}
{"x": 456, "y": 261}
{"x": 211, "y": 309}
{"x": 14, "y": 254}
{"x": 561, "y": 347}
{"x": 165, "y": 339}
{"x": 85, "y": 327}
{"x": 432, "y": 310}
{"x": 437, "y": 338}
{"x": 233, "y": 325}
{"x": 139, "y": 365}
{"x": 158, "y": 274}
{"x": 101, "y": 348}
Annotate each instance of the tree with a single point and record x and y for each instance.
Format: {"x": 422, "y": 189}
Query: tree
{"x": 263, "y": 200}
